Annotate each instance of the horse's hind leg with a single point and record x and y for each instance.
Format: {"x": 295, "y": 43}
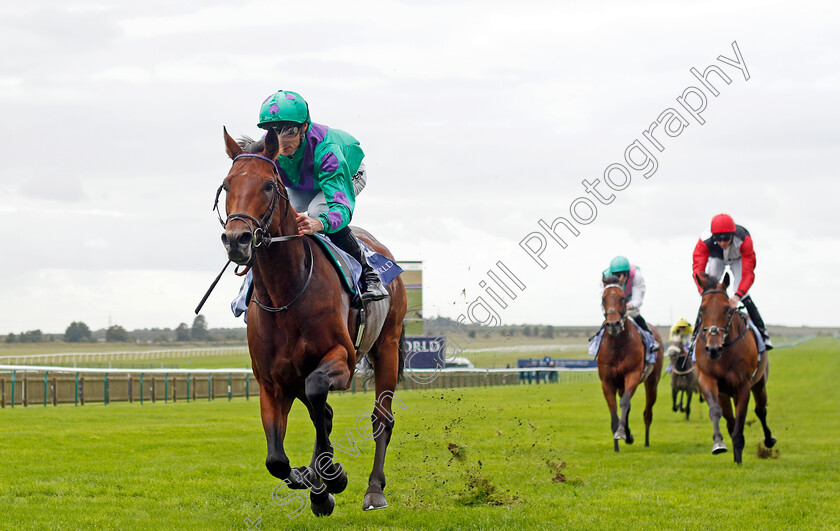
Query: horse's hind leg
{"x": 386, "y": 373}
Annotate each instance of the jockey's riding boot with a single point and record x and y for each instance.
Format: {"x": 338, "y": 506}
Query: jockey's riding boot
{"x": 373, "y": 290}
{"x": 756, "y": 318}
{"x": 641, "y": 322}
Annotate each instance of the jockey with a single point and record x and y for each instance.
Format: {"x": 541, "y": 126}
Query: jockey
{"x": 681, "y": 334}
{"x": 323, "y": 172}
{"x": 730, "y": 245}
{"x": 631, "y": 280}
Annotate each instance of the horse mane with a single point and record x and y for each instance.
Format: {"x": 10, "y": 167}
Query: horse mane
{"x": 249, "y": 145}
{"x": 611, "y": 279}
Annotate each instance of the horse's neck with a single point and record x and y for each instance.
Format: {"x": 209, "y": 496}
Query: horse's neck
{"x": 282, "y": 269}
{"x": 623, "y": 337}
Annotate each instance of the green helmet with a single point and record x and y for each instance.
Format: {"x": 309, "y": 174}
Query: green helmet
{"x": 619, "y": 264}
{"x": 283, "y": 106}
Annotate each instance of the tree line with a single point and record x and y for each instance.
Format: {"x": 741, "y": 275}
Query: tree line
{"x": 80, "y": 332}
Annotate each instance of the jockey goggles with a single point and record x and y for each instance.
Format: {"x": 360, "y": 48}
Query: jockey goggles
{"x": 722, "y": 237}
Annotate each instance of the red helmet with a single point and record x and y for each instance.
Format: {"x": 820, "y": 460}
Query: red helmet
{"x": 722, "y": 223}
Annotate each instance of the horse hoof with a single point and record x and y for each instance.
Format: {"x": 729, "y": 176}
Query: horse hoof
{"x": 629, "y": 439}
{"x": 301, "y": 477}
{"x": 374, "y": 500}
{"x": 719, "y": 448}
{"x": 324, "y": 507}
{"x": 770, "y": 443}
{"x": 620, "y": 434}
{"x": 338, "y": 484}
{"x": 675, "y": 408}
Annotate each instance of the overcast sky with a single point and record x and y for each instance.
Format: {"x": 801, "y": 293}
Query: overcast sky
{"x": 478, "y": 119}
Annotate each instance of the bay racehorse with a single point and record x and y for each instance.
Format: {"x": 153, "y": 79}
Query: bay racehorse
{"x": 621, "y": 363}
{"x": 300, "y": 324}
{"x": 684, "y": 381}
{"x": 728, "y": 366}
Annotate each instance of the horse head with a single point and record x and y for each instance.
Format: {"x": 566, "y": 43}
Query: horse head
{"x": 715, "y": 313}
{"x": 254, "y": 196}
{"x": 614, "y": 304}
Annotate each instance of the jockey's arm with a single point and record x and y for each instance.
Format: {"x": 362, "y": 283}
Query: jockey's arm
{"x": 335, "y": 181}
{"x": 637, "y": 296}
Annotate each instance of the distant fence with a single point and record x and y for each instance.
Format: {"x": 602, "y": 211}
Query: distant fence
{"x": 130, "y": 355}
{"x": 22, "y": 385}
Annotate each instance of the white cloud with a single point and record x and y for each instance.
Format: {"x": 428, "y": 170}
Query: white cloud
{"x": 478, "y": 120}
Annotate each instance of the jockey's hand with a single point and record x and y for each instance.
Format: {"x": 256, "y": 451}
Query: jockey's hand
{"x": 308, "y": 225}
{"x": 734, "y": 301}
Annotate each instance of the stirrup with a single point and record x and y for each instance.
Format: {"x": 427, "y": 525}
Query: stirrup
{"x": 768, "y": 344}
{"x": 374, "y": 290}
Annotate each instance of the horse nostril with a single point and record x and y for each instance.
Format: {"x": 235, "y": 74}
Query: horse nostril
{"x": 224, "y": 239}
{"x": 244, "y": 239}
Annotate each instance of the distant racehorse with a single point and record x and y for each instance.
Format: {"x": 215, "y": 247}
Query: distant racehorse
{"x": 621, "y": 363}
{"x": 729, "y": 367}
{"x": 684, "y": 381}
{"x": 300, "y": 324}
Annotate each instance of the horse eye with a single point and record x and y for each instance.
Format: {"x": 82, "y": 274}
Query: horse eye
{"x": 268, "y": 187}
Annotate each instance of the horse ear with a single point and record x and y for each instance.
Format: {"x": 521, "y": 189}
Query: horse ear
{"x": 232, "y": 148}
{"x": 699, "y": 281}
{"x": 272, "y": 145}
{"x": 726, "y": 281}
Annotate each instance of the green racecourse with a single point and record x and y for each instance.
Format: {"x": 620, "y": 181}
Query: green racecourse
{"x": 536, "y": 457}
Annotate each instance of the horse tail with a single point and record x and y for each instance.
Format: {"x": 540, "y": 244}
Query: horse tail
{"x": 403, "y": 351}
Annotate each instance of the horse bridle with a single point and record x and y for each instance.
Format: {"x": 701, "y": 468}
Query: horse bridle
{"x": 622, "y": 315}
{"x": 260, "y": 232}
{"x": 707, "y": 331}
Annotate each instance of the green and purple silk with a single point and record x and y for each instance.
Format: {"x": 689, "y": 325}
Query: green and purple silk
{"x": 326, "y": 161}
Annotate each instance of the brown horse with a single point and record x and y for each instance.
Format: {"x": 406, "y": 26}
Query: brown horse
{"x": 621, "y": 363}
{"x": 684, "y": 381}
{"x": 300, "y": 324}
{"x": 728, "y": 366}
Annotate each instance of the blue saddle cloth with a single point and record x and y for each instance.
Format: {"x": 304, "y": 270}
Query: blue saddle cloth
{"x": 348, "y": 268}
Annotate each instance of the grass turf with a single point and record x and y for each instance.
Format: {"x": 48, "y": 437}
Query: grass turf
{"x": 474, "y": 458}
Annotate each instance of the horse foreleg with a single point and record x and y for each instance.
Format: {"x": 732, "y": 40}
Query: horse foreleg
{"x": 609, "y": 395}
{"x": 743, "y": 402}
{"x": 710, "y": 391}
{"x": 650, "y": 400}
{"x": 631, "y": 382}
{"x": 274, "y": 410}
{"x": 725, "y": 402}
{"x": 332, "y": 373}
{"x": 688, "y": 403}
{"x": 674, "y": 392}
